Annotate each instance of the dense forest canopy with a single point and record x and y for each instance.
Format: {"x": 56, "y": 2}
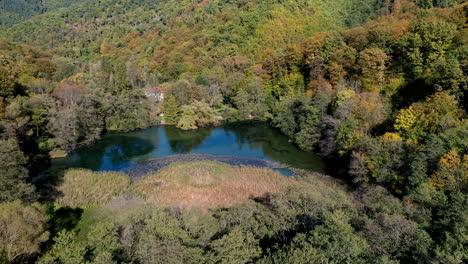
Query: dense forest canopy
{"x": 16, "y": 11}
{"x": 377, "y": 87}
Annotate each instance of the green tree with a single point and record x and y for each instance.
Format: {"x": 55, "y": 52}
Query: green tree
{"x": 90, "y": 119}
{"x": 448, "y": 226}
{"x": 284, "y": 118}
{"x": 23, "y": 229}
{"x": 127, "y": 111}
{"x": 299, "y": 118}
{"x": 335, "y": 241}
{"x": 103, "y": 243}
{"x": 13, "y": 173}
{"x": 39, "y": 106}
{"x": 205, "y": 115}
{"x": 100, "y": 246}
{"x": 309, "y": 127}
{"x": 231, "y": 115}
{"x": 237, "y": 247}
{"x": 120, "y": 78}
{"x": 372, "y": 62}
{"x": 447, "y": 74}
{"x": 168, "y": 243}
{"x": 382, "y": 162}
{"x": 251, "y": 101}
{"x": 412, "y": 55}
{"x": 396, "y": 236}
{"x": 171, "y": 110}
{"x": 436, "y": 37}
{"x": 2, "y": 108}
{"x": 188, "y": 120}
{"x": 436, "y": 114}
{"x": 64, "y": 125}
{"x": 65, "y": 250}
{"x": 7, "y": 83}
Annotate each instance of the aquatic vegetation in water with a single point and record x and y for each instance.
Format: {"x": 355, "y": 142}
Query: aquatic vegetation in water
{"x": 145, "y": 167}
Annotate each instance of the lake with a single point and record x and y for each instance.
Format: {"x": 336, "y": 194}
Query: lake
{"x": 244, "y": 143}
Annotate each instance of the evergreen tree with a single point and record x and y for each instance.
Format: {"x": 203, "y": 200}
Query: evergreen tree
{"x": 188, "y": 118}
{"x": 171, "y": 110}
{"x": 13, "y": 173}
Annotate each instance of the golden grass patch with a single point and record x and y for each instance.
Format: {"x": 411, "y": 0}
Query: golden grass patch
{"x": 85, "y": 188}
{"x": 208, "y": 184}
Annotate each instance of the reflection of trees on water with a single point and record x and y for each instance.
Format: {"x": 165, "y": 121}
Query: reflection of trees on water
{"x": 116, "y": 149}
{"x": 107, "y": 154}
{"x": 275, "y": 145}
{"x": 182, "y": 141}
{"x": 248, "y": 133}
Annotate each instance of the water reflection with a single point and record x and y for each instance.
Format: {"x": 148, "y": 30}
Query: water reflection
{"x": 182, "y": 141}
{"x": 274, "y": 145}
{"x": 113, "y": 152}
{"x": 119, "y": 151}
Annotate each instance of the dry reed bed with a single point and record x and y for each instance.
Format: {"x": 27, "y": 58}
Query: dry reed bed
{"x": 85, "y": 188}
{"x": 209, "y": 184}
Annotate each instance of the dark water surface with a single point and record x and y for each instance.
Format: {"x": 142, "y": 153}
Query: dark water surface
{"x": 124, "y": 151}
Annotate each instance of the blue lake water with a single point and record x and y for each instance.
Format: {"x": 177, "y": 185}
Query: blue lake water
{"x": 121, "y": 151}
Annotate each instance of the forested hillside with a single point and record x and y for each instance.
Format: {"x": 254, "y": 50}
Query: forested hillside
{"x": 16, "y": 11}
{"x": 378, "y": 88}
{"x": 95, "y": 27}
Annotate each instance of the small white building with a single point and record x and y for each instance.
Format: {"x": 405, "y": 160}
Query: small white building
{"x": 155, "y": 92}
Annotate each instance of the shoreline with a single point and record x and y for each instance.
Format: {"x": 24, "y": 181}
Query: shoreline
{"x": 141, "y": 169}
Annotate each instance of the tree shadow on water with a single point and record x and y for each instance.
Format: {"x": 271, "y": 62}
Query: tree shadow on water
{"x": 182, "y": 141}
{"x": 275, "y": 145}
{"x": 109, "y": 153}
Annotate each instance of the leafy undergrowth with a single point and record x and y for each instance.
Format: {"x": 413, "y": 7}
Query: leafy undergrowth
{"x": 209, "y": 184}
{"x": 309, "y": 219}
{"x": 85, "y": 188}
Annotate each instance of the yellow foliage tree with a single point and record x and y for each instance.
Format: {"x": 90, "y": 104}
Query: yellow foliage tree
{"x": 452, "y": 173}
{"x": 406, "y": 124}
{"x": 391, "y": 137}
{"x": 434, "y": 115}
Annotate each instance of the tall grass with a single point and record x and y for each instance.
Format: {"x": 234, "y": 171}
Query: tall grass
{"x": 209, "y": 184}
{"x": 85, "y": 188}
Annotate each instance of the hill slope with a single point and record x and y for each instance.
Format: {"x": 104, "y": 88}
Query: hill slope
{"x": 16, "y": 11}
{"x": 384, "y": 102}
{"x": 80, "y": 30}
